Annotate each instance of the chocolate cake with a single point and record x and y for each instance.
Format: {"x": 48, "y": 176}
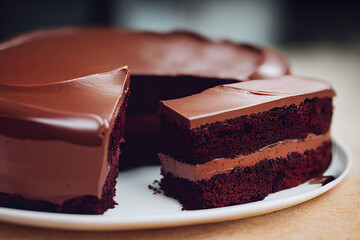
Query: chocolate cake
{"x": 237, "y": 143}
{"x": 63, "y": 97}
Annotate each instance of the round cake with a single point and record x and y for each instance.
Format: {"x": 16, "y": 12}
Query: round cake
{"x": 231, "y": 127}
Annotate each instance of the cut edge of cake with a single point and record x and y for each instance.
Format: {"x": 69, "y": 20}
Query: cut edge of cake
{"x": 296, "y": 114}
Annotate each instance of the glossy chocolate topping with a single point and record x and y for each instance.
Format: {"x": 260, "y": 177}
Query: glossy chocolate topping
{"x": 223, "y": 165}
{"x": 243, "y": 98}
{"x": 56, "y": 55}
{"x": 77, "y": 110}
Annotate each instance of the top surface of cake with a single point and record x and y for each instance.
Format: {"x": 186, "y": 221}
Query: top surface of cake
{"x": 48, "y": 56}
{"x": 77, "y": 110}
{"x": 244, "y": 98}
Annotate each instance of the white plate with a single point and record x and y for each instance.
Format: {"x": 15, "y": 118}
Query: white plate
{"x": 139, "y": 208}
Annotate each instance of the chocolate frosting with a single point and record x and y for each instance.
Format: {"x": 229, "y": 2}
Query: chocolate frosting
{"x": 243, "y": 98}
{"x": 223, "y": 165}
{"x": 77, "y": 110}
{"x": 48, "y": 56}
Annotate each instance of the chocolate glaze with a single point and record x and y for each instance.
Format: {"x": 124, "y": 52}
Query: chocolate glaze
{"x": 51, "y": 170}
{"x": 56, "y": 55}
{"x": 66, "y": 110}
{"x": 243, "y": 98}
{"x": 60, "y": 90}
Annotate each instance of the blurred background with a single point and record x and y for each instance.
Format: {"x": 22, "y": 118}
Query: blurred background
{"x": 259, "y": 21}
{"x": 320, "y": 38}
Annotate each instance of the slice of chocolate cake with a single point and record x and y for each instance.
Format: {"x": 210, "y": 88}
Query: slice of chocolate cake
{"x": 237, "y": 143}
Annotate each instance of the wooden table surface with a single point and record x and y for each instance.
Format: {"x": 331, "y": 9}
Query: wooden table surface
{"x": 333, "y": 215}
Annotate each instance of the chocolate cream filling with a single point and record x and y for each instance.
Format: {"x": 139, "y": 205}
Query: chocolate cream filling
{"x": 224, "y": 165}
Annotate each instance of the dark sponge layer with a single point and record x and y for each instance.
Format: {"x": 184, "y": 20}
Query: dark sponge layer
{"x": 249, "y": 184}
{"x": 245, "y": 134}
{"x": 82, "y": 204}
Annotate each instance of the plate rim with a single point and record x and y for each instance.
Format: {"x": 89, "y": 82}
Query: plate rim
{"x": 165, "y": 220}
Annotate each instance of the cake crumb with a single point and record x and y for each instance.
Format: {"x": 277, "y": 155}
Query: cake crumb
{"x": 155, "y": 186}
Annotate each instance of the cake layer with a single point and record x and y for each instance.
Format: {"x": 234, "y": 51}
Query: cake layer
{"x": 224, "y": 165}
{"x": 244, "y": 134}
{"x": 249, "y": 184}
{"x": 245, "y": 98}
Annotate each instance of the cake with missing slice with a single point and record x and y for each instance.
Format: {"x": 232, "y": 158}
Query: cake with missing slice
{"x": 237, "y": 143}
{"x": 63, "y": 96}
